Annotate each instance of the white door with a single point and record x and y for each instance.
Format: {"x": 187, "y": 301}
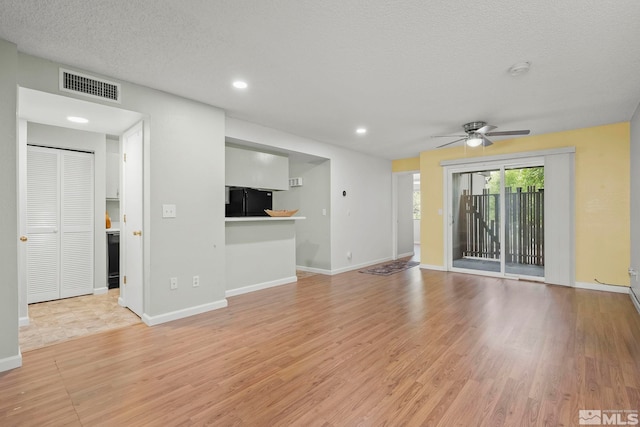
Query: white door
{"x": 59, "y": 224}
{"x": 76, "y": 224}
{"x": 131, "y": 239}
{"x": 42, "y": 224}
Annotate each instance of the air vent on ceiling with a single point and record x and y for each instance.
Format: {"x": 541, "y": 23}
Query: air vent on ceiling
{"x": 94, "y": 87}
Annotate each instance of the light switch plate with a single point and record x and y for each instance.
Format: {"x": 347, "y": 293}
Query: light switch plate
{"x": 168, "y": 211}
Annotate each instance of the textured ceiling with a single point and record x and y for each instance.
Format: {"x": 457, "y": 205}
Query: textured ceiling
{"x": 404, "y": 69}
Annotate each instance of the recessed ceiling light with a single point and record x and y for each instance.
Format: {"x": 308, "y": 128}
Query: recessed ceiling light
{"x": 519, "y": 68}
{"x": 239, "y": 84}
{"x": 361, "y": 131}
{"x": 75, "y": 119}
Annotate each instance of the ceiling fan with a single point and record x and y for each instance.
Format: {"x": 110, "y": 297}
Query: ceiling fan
{"x": 477, "y": 133}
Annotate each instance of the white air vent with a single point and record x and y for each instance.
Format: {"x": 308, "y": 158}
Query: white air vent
{"x": 90, "y": 86}
{"x": 295, "y": 182}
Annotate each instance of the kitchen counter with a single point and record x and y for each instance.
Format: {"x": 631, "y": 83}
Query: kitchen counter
{"x": 260, "y": 253}
{"x": 262, "y": 218}
{"x": 115, "y": 228}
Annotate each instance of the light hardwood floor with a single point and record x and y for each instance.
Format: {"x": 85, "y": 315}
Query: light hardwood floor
{"x": 415, "y": 348}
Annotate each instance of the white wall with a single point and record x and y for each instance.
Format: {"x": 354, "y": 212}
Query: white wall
{"x": 183, "y": 165}
{"x": 635, "y": 200}
{"x": 405, "y": 215}
{"x": 360, "y": 221}
{"x": 9, "y": 351}
{"x": 313, "y": 243}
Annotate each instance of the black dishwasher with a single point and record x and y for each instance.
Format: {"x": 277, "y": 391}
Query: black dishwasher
{"x": 113, "y": 259}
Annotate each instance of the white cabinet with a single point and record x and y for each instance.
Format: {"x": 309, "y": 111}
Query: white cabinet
{"x": 255, "y": 169}
{"x": 113, "y": 176}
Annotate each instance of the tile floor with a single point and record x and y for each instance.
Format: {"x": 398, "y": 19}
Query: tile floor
{"x": 55, "y": 321}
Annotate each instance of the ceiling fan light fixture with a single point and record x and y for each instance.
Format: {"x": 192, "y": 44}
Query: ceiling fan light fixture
{"x": 474, "y": 140}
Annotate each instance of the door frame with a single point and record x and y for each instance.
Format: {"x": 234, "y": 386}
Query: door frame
{"x": 474, "y": 166}
{"x": 99, "y": 152}
{"x": 394, "y": 210}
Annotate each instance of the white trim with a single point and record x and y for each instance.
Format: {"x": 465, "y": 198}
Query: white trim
{"x": 23, "y": 321}
{"x": 432, "y": 267}
{"x": 313, "y": 270}
{"x": 11, "y": 362}
{"x": 405, "y": 255}
{"x": 121, "y": 302}
{"x": 356, "y": 267}
{"x": 602, "y": 287}
{"x": 100, "y": 291}
{"x": 260, "y": 286}
{"x": 634, "y": 300}
{"x": 181, "y": 314}
{"x": 512, "y": 156}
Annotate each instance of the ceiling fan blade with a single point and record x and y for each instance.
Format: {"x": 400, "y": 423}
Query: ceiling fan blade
{"x": 509, "y": 132}
{"x": 448, "y": 136}
{"x": 485, "y": 141}
{"x": 452, "y": 142}
{"x": 486, "y": 128}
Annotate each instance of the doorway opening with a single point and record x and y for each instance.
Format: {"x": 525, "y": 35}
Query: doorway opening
{"x": 94, "y": 307}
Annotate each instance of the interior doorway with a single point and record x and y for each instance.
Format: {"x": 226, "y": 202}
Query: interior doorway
{"x": 406, "y": 214}
{"x": 39, "y": 113}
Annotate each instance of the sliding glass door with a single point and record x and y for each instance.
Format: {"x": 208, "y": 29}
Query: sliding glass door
{"x": 496, "y": 219}
{"x": 475, "y": 221}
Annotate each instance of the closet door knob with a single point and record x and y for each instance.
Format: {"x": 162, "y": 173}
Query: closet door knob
{"x": 23, "y": 238}
{"x": 137, "y": 233}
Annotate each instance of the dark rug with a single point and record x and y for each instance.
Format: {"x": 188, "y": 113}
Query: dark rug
{"x": 390, "y": 268}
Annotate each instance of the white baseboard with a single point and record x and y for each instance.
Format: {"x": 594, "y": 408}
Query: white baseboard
{"x": 405, "y": 255}
{"x": 259, "y": 286}
{"x": 433, "y": 267}
{"x": 635, "y": 301}
{"x": 23, "y": 321}
{"x": 100, "y": 291}
{"x": 601, "y": 287}
{"x": 11, "y": 362}
{"x": 121, "y": 302}
{"x": 313, "y": 270}
{"x": 180, "y": 314}
{"x": 358, "y": 266}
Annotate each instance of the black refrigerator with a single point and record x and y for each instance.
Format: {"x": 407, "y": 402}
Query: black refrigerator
{"x": 248, "y": 202}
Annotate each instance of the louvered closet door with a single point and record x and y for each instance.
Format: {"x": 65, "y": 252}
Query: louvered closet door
{"x": 76, "y": 224}
{"x": 60, "y": 224}
{"x": 43, "y": 212}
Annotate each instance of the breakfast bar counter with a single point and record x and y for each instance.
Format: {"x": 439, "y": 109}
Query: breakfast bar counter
{"x": 260, "y": 253}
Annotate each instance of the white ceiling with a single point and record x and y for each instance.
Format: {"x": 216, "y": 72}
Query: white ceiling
{"x": 50, "y": 109}
{"x": 405, "y": 70}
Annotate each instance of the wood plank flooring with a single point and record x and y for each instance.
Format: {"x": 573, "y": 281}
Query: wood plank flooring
{"x": 415, "y": 348}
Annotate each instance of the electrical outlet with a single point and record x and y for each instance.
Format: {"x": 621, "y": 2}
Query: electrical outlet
{"x": 174, "y": 283}
{"x": 168, "y": 211}
{"x": 196, "y": 281}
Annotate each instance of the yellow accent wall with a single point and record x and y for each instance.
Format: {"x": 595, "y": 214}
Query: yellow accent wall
{"x": 406, "y": 165}
{"x": 602, "y": 203}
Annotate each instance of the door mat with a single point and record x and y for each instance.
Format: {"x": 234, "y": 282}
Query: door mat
{"x": 390, "y": 268}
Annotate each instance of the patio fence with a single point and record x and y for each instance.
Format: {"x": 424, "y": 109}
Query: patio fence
{"x": 524, "y": 232}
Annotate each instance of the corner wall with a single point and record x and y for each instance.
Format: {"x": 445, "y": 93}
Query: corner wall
{"x": 9, "y": 351}
{"x": 602, "y": 179}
